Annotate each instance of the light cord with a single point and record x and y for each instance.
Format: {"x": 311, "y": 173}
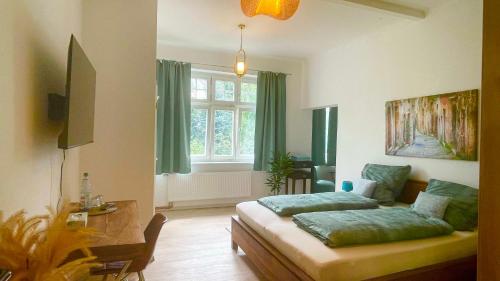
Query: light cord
{"x": 60, "y": 181}
{"x": 241, "y": 36}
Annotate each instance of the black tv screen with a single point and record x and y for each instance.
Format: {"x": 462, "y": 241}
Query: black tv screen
{"x": 80, "y": 98}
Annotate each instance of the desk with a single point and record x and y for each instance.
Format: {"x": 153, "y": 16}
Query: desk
{"x": 119, "y": 234}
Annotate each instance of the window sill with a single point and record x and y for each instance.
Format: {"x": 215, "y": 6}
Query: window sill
{"x": 221, "y": 166}
{"x": 221, "y": 162}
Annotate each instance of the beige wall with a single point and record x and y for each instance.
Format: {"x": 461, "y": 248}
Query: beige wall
{"x": 439, "y": 54}
{"x": 120, "y": 39}
{"x": 34, "y": 38}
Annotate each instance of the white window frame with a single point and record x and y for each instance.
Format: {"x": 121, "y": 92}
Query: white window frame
{"x": 212, "y": 104}
{"x": 207, "y": 77}
{"x": 225, "y": 79}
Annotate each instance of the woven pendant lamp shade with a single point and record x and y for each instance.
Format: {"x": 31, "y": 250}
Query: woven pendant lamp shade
{"x": 278, "y": 9}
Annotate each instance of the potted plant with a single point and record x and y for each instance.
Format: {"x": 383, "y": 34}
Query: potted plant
{"x": 281, "y": 167}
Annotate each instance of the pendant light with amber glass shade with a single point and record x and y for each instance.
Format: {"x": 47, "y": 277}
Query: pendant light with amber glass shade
{"x": 240, "y": 65}
{"x": 278, "y": 9}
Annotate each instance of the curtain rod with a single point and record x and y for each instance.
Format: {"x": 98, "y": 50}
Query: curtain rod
{"x": 230, "y": 67}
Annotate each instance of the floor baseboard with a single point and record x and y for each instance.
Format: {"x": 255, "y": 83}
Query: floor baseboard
{"x": 191, "y": 207}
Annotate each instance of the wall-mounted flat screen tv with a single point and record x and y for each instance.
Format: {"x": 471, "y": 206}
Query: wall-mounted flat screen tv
{"x": 80, "y": 99}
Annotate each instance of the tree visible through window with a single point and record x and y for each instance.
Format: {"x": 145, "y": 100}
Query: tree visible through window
{"x": 222, "y": 116}
{"x": 223, "y": 128}
{"x": 224, "y": 90}
{"x": 199, "y": 118}
{"x": 248, "y": 92}
{"x": 247, "y": 132}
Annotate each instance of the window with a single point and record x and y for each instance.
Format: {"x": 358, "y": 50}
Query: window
{"x": 222, "y": 116}
{"x": 223, "y": 129}
{"x": 199, "y": 88}
{"x": 327, "y": 124}
{"x": 247, "y": 132}
{"x": 224, "y": 90}
{"x": 249, "y": 92}
{"x": 199, "y": 125}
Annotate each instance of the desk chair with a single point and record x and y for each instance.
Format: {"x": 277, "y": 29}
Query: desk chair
{"x": 121, "y": 269}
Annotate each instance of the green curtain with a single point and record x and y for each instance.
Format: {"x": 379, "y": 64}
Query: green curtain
{"x": 270, "y": 119}
{"x": 331, "y": 151}
{"x": 173, "y": 117}
{"x": 318, "y": 137}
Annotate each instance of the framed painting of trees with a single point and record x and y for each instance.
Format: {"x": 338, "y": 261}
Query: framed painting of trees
{"x": 441, "y": 126}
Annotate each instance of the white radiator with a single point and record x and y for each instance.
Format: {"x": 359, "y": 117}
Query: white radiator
{"x": 203, "y": 186}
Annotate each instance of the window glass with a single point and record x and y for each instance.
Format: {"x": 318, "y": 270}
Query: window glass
{"x": 199, "y": 122}
{"x": 249, "y": 92}
{"x": 247, "y": 132}
{"x": 223, "y": 132}
{"x": 224, "y": 90}
{"x": 199, "y": 88}
{"x": 222, "y": 116}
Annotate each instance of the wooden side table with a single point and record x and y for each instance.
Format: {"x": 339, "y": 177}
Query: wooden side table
{"x": 299, "y": 175}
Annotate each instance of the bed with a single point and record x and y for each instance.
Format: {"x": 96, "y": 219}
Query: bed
{"x": 282, "y": 251}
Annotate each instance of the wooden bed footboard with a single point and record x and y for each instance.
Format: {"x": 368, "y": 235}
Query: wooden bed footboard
{"x": 275, "y": 266}
{"x": 272, "y": 264}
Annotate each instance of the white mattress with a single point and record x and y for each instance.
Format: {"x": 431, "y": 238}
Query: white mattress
{"x": 355, "y": 262}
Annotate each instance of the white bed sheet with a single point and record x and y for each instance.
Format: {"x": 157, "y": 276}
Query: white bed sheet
{"x": 356, "y": 262}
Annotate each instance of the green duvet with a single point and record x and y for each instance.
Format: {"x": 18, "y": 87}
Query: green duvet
{"x": 287, "y": 205}
{"x": 342, "y": 228}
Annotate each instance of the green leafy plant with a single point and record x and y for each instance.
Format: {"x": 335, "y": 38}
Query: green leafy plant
{"x": 281, "y": 167}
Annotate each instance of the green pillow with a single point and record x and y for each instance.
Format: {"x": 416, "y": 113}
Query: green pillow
{"x": 431, "y": 205}
{"x": 390, "y": 181}
{"x": 462, "y": 210}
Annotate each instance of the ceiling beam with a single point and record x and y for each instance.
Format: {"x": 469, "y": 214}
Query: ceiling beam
{"x": 391, "y": 7}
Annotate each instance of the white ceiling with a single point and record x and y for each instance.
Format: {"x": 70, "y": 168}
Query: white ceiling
{"x": 317, "y": 25}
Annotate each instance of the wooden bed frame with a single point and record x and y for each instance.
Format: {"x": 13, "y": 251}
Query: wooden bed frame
{"x": 275, "y": 266}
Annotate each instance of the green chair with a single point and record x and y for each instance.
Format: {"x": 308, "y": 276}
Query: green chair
{"x": 324, "y": 179}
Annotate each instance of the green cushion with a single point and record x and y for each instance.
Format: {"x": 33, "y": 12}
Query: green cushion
{"x": 390, "y": 181}
{"x": 462, "y": 210}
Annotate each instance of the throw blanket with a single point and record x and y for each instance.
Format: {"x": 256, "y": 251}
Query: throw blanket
{"x": 287, "y": 205}
{"x": 344, "y": 228}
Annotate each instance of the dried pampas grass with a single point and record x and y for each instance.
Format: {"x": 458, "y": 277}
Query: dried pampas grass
{"x": 36, "y": 248}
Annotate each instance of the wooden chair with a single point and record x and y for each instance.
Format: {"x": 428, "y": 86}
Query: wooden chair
{"x": 121, "y": 269}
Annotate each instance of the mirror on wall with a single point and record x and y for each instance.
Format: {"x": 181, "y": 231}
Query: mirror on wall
{"x": 324, "y": 148}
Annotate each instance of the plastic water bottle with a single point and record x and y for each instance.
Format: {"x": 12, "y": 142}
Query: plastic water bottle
{"x": 85, "y": 192}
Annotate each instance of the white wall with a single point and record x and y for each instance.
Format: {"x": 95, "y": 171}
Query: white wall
{"x": 298, "y": 119}
{"x": 120, "y": 40}
{"x": 439, "y": 54}
{"x": 34, "y": 39}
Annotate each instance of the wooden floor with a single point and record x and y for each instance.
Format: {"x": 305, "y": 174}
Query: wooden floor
{"x": 196, "y": 245}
